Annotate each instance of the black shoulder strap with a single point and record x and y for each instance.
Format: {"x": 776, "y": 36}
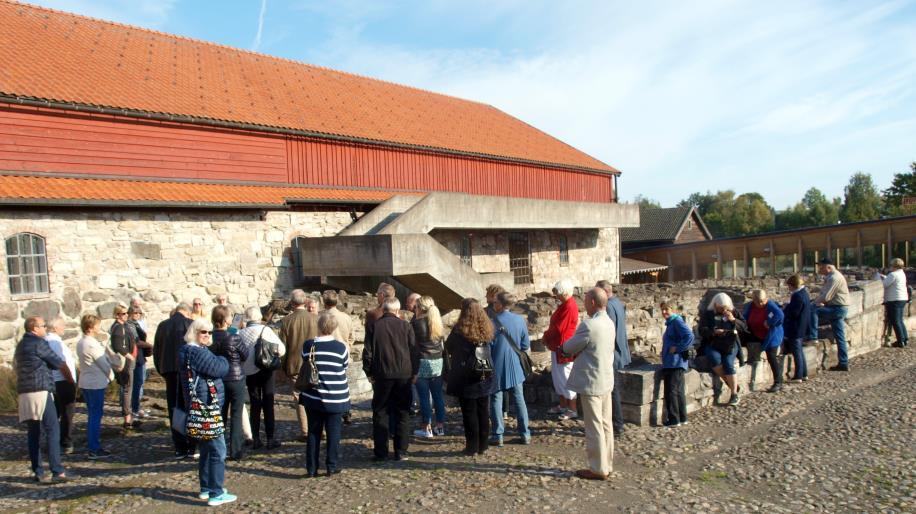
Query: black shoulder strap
{"x": 507, "y": 334}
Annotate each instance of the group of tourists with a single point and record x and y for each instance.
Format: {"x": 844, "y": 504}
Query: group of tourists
{"x": 220, "y": 370}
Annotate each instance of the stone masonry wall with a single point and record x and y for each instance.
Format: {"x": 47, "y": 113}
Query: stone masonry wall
{"x": 98, "y": 259}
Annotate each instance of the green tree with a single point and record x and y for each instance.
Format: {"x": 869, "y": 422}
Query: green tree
{"x": 903, "y": 186}
{"x": 812, "y": 211}
{"x": 749, "y": 214}
{"x": 645, "y": 202}
{"x": 862, "y": 201}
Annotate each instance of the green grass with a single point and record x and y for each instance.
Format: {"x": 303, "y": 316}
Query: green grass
{"x": 9, "y": 399}
{"x": 711, "y": 476}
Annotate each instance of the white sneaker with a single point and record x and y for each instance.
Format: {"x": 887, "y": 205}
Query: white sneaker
{"x": 568, "y": 414}
{"x": 425, "y": 433}
{"x": 439, "y": 431}
{"x": 556, "y": 409}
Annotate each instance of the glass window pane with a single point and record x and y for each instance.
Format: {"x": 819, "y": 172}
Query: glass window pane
{"x": 13, "y": 264}
{"x": 15, "y": 285}
{"x": 28, "y": 285}
{"x": 39, "y": 264}
{"x": 25, "y": 245}
{"x": 12, "y": 246}
{"x": 43, "y": 283}
{"x": 38, "y": 245}
{"x": 26, "y": 263}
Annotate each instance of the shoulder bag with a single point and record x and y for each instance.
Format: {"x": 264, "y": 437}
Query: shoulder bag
{"x": 523, "y": 358}
{"x": 204, "y": 421}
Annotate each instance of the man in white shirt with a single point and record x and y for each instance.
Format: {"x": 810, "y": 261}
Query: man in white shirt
{"x": 65, "y": 391}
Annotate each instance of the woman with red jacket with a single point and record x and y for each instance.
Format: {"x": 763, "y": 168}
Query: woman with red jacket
{"x": 563, "y": 323}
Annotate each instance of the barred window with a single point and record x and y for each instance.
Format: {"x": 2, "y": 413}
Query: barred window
{"x": 564, "y": 250}
{"x": 27, "y": 264}
{"x": 465, "y": 253}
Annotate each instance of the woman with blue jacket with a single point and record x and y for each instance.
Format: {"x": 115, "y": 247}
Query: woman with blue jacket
{"x": 199, "y": 367}
{"x": 677, "y": 339}
{"x": 764, "y": 322}
{"x": 797, "y": 317}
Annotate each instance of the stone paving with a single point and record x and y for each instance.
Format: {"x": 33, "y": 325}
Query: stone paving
{"x": 841, "y": 442}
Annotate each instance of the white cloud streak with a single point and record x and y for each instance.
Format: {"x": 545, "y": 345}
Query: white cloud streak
{"x": 257, "y": 37}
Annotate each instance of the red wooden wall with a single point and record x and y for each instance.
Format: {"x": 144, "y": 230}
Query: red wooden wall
{"x": 46, "y": 140}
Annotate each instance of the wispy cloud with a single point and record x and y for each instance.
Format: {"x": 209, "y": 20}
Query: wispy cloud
{"x": 257, "y": 37}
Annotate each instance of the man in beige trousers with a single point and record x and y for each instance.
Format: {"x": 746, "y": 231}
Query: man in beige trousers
{"x": 592, "y": 376}
{"x": 295, "y": 329}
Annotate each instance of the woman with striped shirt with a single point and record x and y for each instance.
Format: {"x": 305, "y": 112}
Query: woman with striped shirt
{"x": 326, "y": 403}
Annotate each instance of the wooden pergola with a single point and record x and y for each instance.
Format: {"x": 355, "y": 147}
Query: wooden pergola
{"x": 711, "y": 259}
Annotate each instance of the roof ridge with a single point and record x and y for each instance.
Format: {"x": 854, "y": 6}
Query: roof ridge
{"x": 242, "y": 50}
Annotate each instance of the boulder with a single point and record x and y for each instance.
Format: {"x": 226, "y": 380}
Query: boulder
{"x": 9, "y": 311}
{"x": 71, "y": 302}
{"x": 47, "y": 309}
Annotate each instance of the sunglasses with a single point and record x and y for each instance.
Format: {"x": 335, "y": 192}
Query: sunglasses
{"x": 205, "y": 332}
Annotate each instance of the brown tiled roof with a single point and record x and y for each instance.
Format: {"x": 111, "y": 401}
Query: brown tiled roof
{"x": 56, "y": 56}
{"x": 51, "y": 190}
{"x": 656, "y": 225}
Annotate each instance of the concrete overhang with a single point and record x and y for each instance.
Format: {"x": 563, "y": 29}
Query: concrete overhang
{"x": 465, "y": 211}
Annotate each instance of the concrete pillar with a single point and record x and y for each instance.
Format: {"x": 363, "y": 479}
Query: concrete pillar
{"x": 859, "y": 257}
{"x": 670, "y": 268}
{"x": 772, "y": 257}
{"x": 693, "y": 264}
{"x": 746, "y": 263}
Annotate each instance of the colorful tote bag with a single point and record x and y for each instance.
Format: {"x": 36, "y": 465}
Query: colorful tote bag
{"x": 205, "y": 420}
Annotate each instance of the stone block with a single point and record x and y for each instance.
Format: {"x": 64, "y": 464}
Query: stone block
{"x": 638, "y": 384}
{"x": 106, "y": 310}
{"x": 9, "y": 311}
{"x": 107, "y": 281}
{"x": 71, "y": 302}
{"x": 7, "y": 331}
{"x": 47, "y": 309}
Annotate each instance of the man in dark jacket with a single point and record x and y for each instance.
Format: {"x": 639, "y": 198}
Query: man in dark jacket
{"x": 391, "y": 361}
{"x": 618, "y": 314}
{"x": 168, "y": 340}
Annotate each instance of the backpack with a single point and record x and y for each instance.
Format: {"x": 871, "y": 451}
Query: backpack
{"x": 479, "y": 363}
{"x": 265, "y": 357}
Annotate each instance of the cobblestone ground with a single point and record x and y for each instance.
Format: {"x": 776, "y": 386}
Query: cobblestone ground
{"x": 839, "y": 442}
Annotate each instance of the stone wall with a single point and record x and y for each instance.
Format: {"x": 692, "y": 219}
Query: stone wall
{"x": 98, "y": 259}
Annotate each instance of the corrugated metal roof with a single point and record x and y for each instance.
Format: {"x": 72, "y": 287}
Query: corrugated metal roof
{"x": 51, "y": 55}
{"x": 631, "y": 266}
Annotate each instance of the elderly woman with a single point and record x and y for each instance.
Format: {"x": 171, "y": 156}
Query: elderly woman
{"x": 203, "y": 371}
{"x": 764, "y": 322}
{"x": 231, "y": 347}
{"x": 795, "y": 325}
{"x": 327, "y": 401}
{"x": 895, "y": 299}
{"x": 469, "y": 340}
{"x": 676, "y": 340}
{"x": 427, "y": 327}
{"x": 96, "y": 364}
{"x": 563, "y": 323}
{"x": 719, "y": 327}
{"x": 124, "y": 342}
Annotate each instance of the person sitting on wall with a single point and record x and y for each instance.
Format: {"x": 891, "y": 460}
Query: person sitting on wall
{"x": 563, "y": 323}
{"x": 719, "y": 327}
{"x": 764, "y": 323}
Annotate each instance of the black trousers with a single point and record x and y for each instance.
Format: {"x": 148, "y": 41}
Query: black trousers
{"x": 261, "y": 393}
{"x": 475, "y": 414}
{"x": 174, "y": 397}
{"x": 65, "y": 401}
{"x": 675, "y": 396}
{"x": 232, "y": 410}
{"x": 775, "y": 364}
{"x": 390, "y": 402}
{"x": 616, "y": 414}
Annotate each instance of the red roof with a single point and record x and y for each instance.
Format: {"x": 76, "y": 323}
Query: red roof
{"x": 28, "y": 190}
{"x": 52, "y": 55}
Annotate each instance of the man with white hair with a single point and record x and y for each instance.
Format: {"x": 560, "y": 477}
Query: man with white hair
{"x": 410, "y": 305}
{"x": 64, "y": 390}
{"x": 295, "y": 329}
{"x": 260, "y": 382}
{"x": 391, "y": 361}
{"x": 618, "y": 314}
{"x": 563, "y": 323}
{"x": 831, "y": 304}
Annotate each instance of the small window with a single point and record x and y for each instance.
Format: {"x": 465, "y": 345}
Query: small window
{"x": 689, "y": 223}
{"x": 465, "y": 250}
{"x": 564, "y": 250}
{"x": 27, "y": 264}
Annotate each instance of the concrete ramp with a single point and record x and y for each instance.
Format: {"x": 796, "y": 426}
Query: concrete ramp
{"x": 417, "y": 261}
{"x": 382, "y": 215}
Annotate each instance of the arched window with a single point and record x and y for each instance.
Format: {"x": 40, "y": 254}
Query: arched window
{"x": 27, "y": 264}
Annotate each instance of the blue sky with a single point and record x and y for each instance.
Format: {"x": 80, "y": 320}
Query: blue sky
{"x": 772, "y": 97}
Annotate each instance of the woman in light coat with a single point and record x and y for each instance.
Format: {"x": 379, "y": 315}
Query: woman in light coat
{"x": 895, "y": 300}
{"x": 97, "y": 364}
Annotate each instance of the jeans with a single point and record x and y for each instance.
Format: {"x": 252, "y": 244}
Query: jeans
{"x": 65, "y": 403}
{"x": 835, "y": 314}
{"x": 476, "y": 419}
{"x": 895, "y": 320}
{"x": 235, "y": 399}
{"x": 127, "y": 390}
{"x": 726, "y": 360}
{"x": 261, "y": 392}
{"x": 521, "y": 412}
{"x": 390, "y": 402}
{"x": 775, "y": 362}
{"x": 211, "y": 468}
{"x": 95, "y": 405}
{"x": 675, "y": 396}
{"x": 48, "y": 425}
{"x": 137, "y": 392}
{"x": 175, "y": 398}
{"x": 320, "y": 421}
{"x": 798, "y": 356}
{"x": 425, "y": 388}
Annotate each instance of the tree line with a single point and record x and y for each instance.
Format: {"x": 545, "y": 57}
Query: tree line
{"x": 727, "y": 214}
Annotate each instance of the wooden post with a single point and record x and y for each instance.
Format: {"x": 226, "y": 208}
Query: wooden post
{"x": 746, "y": 263}
{"x": 753, "y": 266}
{"x": 734, "y": 268}
{"x": 890, "y": 247}
{"x": 906, "y": 253}
{"x": 816, "y": 259}
{"x": 772, "y": 257}
{"x": 719, "y": 262}
{"x": 829, "y": 246}
{"x": 837, "y": 259}
{"x": 670, "y": 268}
{"x": 801, "y": 254}
{"x": 859, "y": 257}
{"x": 795, "y": 263}
{"x": 693, "y": 264}
{"x": 883, "y": 255}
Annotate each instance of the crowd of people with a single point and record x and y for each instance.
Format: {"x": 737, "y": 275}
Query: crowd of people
{"x": 221, "y": 370}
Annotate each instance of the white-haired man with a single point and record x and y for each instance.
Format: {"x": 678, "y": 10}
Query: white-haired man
{"x": 260, "y": 382}
{"x": 391, "y": 361}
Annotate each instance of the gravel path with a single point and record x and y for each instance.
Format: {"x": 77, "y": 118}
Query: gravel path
{"x": 839, "y": 442}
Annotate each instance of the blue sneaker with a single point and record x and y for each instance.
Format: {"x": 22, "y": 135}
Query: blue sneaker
{"x": 221, "y": 499}
{"x": 205, "y": 495}
{"x": 496, "y": 441}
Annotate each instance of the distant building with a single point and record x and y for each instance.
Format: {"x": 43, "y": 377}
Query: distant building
{"x": 660, "y": 227}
